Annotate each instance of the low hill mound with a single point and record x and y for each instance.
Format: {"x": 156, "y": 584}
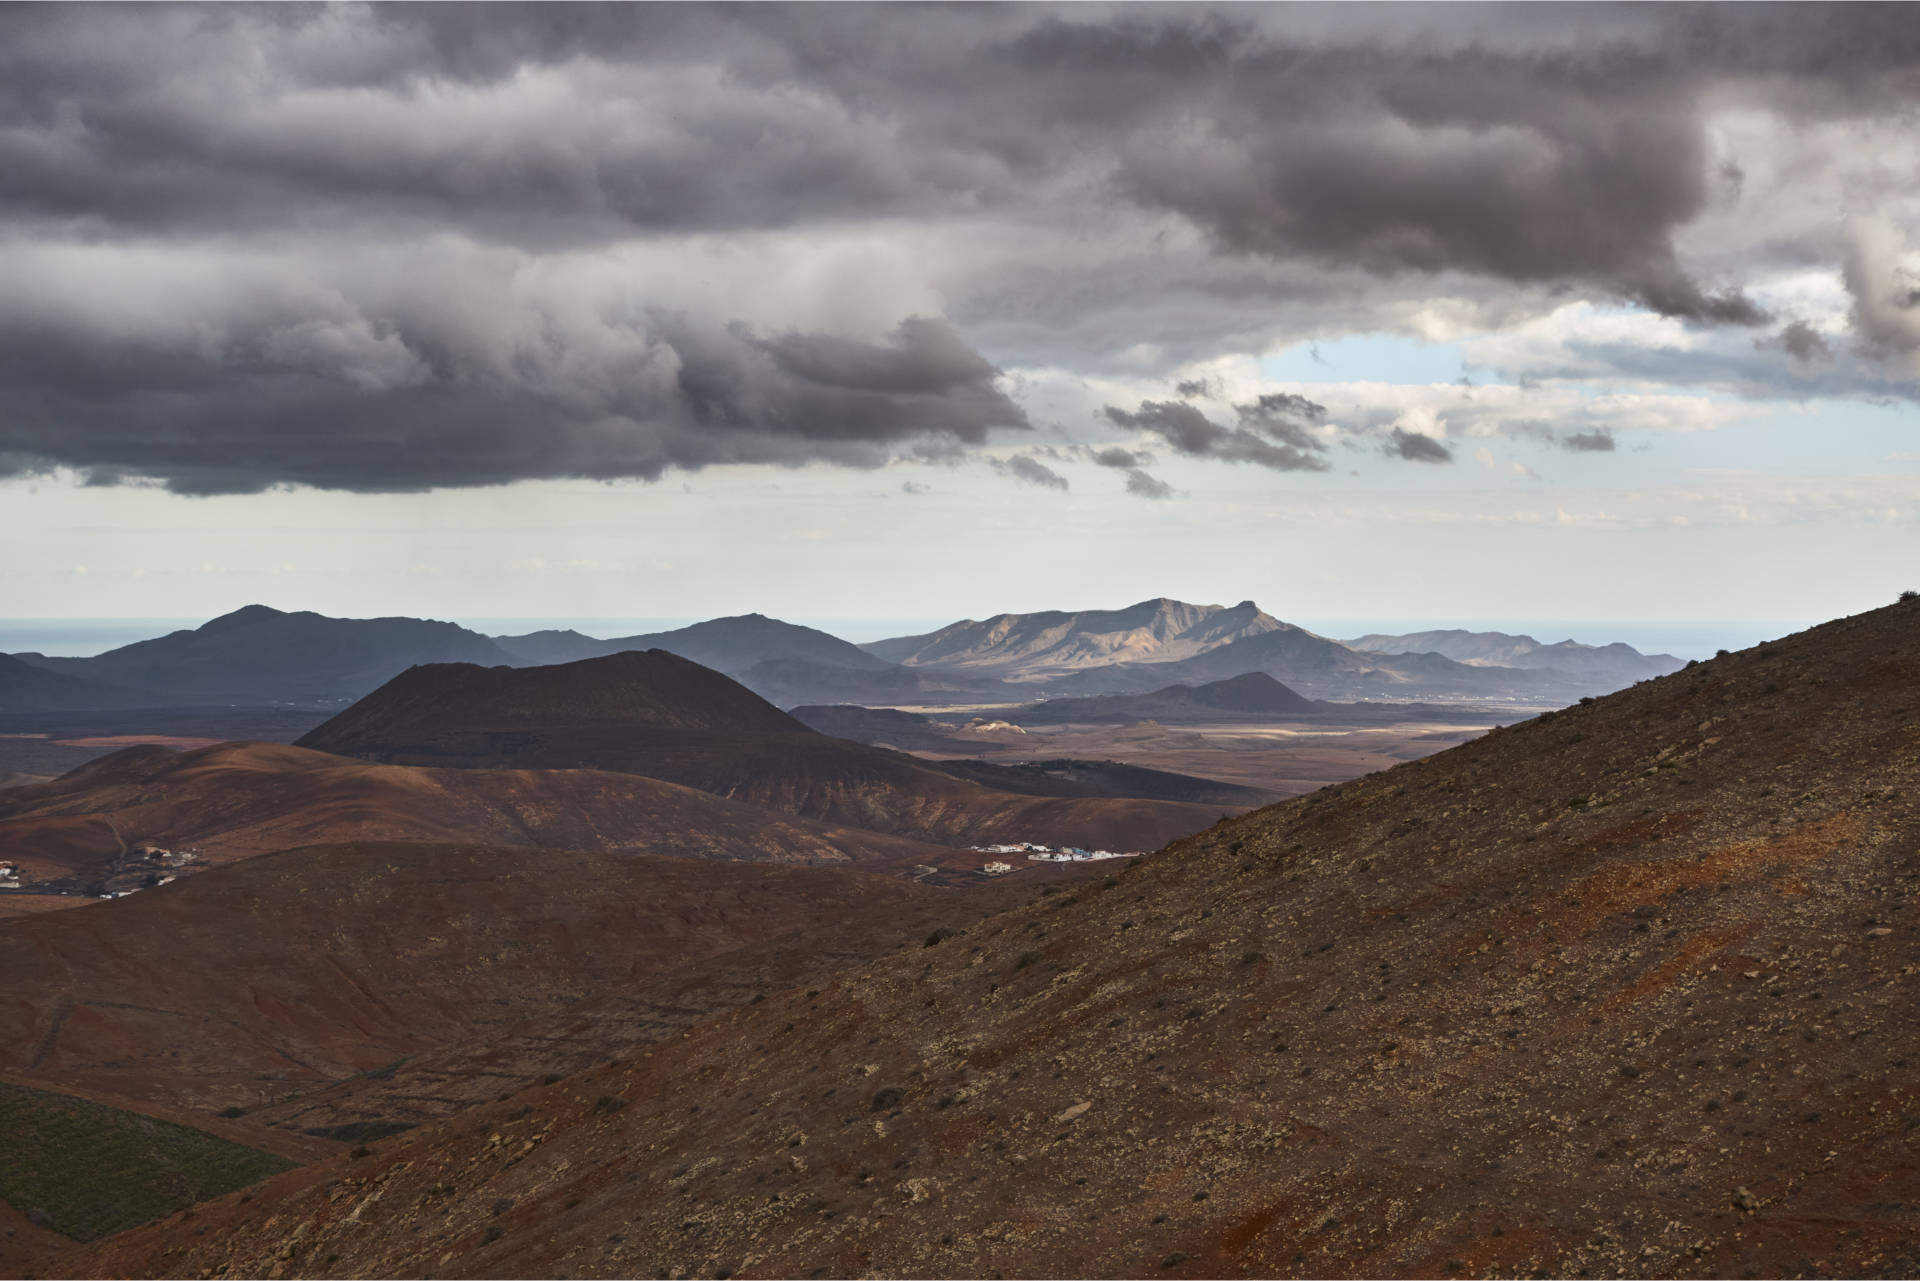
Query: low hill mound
{"x": 657, "y": 714}
{"x": 1622, "y": 990}
{"x": 237, "y": 800}
{"x": 637, "y": 690}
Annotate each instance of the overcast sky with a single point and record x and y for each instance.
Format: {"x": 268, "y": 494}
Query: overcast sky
{"x": 919, "y": 312}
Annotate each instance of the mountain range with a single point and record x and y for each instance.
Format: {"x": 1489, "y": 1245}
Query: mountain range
{"x": 1624, "y": 989}
{"x": 259, "y": 656}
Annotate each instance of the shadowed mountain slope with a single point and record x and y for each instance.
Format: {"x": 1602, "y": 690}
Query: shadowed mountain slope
{"x": 730, "y": 645}
{"x": 241, "y": 799}
{"x": 25, "y": 687}
{"x": 261, "y": 655}
{"x": 1253, "y": 696}
{"x": 1623, "y": 990}
{"x": 657, "y": 714}
{"x": 783, "y": 662}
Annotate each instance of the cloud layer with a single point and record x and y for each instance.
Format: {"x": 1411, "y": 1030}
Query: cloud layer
{"x": 416, "y": 246}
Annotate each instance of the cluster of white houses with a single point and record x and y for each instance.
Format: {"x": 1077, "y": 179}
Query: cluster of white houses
{"x": 1043, "y": 854}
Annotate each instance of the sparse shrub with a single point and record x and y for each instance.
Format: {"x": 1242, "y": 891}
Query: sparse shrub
{"x": 493, "y": 1233}
{"x": 1908, "y": 595}
{"x": 1721, "y": 653}
{"x": 1025, "y": 959}
{"x": 938, "y": 936}
{"x": 1579, "y": 802}
{"x": 232, "y": 1112}
{"x": 607, "y": 1104}
{"x": 502, "y": 1205}
{"x": 887, "y": 1097}
{"x": 362, "y": 1151}
{"x": 551, "y": 1078}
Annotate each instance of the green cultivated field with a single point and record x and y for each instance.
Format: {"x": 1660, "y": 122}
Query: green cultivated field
{"x": 93, "y": 1170}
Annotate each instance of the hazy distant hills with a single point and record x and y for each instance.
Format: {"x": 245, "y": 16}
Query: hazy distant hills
{"x": 1625, "y": 989}
{"x": 1164, "y": 642}
{"x": 1501, "y": 649}
{"x": 1027, "y": 647}
{"x": 261, "y": 655}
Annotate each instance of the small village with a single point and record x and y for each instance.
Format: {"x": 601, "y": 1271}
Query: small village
{"x": 1043, "y": 854}
{"x": 143, "y": 867}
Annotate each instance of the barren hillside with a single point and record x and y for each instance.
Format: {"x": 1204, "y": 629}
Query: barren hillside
{"x": 1623, "y": 990}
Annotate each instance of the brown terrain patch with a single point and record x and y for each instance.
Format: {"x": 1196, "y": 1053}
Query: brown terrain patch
{"x": 1460, "y": 1017}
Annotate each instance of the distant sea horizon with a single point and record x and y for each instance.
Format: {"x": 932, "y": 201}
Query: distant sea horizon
{"x": 84, "y": 637}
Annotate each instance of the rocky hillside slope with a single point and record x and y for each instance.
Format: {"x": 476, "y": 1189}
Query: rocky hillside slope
{"x": 236, "y": 800}
{"x": 1625, "y": 990}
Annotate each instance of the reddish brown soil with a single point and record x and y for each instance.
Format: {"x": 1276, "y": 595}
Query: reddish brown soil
{"x": 241, "y": 799}
{"x": 29, "y": 1250}
{"x": 1626, "y": 990}
{"x": 258, "y": 983}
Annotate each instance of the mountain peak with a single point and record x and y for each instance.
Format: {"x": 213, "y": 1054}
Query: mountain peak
{"x": 245, "y": 616}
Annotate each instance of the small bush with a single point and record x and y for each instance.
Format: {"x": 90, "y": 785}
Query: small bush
{"x": 232, "y": 1112}
{"x": 939, "y": 936}
{"x": 886, "y": 1098}
{"x": 1025, "y": 959}
{"x": 607, "y": 1104}
{"x": 1909, "y": 595}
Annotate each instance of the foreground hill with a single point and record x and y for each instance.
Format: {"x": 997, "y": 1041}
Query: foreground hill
{"x": 1623, "y": 990}
{"x": 257, "y": 984}
{"x": 236, "y": 800}
{"x": 660, "y": 715}
{"x": 262, "y": 655}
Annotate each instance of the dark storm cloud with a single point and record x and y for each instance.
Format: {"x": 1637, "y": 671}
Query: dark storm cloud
{"x": 678, "y": 393}
{"x": 1186, "y": 430}
{"x": 1801, "y": 341}
{"x": 1414, "y": 447}
{"x": 1304, "y": 149}
{"x": 1596, "y": 440}
{"x": 1116, "y": 457}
